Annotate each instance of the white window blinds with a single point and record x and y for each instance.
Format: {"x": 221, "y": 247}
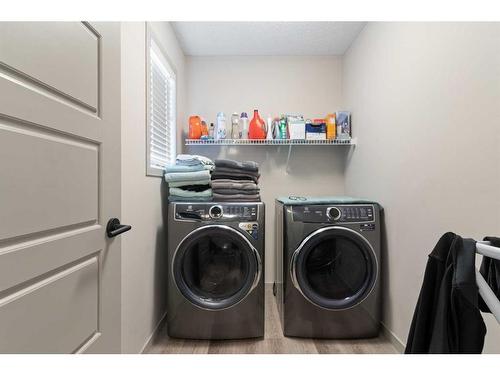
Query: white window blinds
{"x": 162, "y": 112}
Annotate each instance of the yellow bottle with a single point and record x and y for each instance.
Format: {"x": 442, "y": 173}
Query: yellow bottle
{"x": 330, "y": 126}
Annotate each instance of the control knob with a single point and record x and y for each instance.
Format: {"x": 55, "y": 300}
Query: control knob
{"x": 334, "y": 213}
{"x": 215, "y": 212}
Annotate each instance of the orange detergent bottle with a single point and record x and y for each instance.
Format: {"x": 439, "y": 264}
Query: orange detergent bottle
{"x": 194, "y": 127}
{"x": 330, "y": 126}
{"x": 257, "y": 129}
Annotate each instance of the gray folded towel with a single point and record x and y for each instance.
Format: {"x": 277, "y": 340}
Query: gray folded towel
{"x": 237, "y": 197}
{"x": 250, "y": 166}
{"x": 230, "y": 171}
{"x": 233, "y": 174}
{"x": 175, "y": 198}
{"x": 235, "y": 191}
{"x": 234, "y": 184}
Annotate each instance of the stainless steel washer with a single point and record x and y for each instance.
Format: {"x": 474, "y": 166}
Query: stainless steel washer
{"x": 328, "y": 262}
{"x": 216, "y": 263}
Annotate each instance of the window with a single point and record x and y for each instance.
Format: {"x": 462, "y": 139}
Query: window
{"x": 161, "y": 129}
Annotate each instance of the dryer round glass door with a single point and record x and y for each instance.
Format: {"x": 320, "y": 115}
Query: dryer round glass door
{"x": 334, "y": 268}
{"x": 216, "y": 267}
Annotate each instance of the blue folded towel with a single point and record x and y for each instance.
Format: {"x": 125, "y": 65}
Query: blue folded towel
{"x": 178, "y": 192}
{"x": 203, "y": 181}
{"x": 174, "y": 168}
{"x": 186, "y": 159}
{"x": 187, "y": 176}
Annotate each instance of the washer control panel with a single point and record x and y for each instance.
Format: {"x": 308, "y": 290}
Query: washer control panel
{"x": 357, "y": 213}
{"x": 216, "y": 212}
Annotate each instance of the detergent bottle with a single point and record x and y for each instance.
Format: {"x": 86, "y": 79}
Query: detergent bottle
{"x": 220, "y": 131}
{"x": 243, "y": 125}
{"x": 269, "y": 128}
{"x": 257, "y": 129}
{"x": 194, "y": 127}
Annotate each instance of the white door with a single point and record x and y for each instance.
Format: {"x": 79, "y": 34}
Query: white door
{"x": 59, "y": 185}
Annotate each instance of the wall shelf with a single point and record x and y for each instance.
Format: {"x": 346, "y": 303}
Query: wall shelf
{"x": 270, "y": 142}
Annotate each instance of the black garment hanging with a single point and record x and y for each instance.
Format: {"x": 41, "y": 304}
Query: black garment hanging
{"x": 447, "y": 318}
{"x": 490, "y": 269}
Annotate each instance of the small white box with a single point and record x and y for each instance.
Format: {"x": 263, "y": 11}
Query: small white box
{"x": 297, "y": 130}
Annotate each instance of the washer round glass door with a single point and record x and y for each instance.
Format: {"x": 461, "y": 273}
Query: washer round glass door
{"x": 216, "y": 267}
{"x": 334, "y": 268}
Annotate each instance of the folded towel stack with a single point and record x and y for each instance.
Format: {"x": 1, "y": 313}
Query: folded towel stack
{"x": 189, "y": 178}
{"x": 235, "y": 181}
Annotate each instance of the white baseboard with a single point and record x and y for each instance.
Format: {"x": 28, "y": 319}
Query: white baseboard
{"x": 395, "y": 341}
{"x": 154, "y": 334}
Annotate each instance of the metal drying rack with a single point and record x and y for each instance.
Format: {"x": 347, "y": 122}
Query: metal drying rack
{"x": 484, "y": 248}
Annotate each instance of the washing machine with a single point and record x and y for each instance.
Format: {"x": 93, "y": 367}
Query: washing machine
{"x": 328, "y": 267}
{"x": 216, "y": 263}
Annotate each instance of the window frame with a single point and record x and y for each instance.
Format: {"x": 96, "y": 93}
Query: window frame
{"x": 170, "y": 67}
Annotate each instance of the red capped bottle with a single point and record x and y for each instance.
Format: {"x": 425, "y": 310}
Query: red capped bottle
{"x": 257, "y": 129}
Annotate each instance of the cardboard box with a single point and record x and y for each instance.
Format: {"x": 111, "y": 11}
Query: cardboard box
{"x": 297, "y": 130}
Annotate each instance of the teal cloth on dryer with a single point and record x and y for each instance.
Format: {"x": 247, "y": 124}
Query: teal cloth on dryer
{"x": 306, "y": 200}
{"x": 178, "y": 192}
{"x": 187, "y": 176}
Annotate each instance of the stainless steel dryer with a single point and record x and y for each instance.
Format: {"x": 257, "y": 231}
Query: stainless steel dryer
{"x": 328, "y": 261}
{"x": 216, "y": 263}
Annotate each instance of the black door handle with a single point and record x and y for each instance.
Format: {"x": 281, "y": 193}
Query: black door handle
{"x": 114, "y": 228}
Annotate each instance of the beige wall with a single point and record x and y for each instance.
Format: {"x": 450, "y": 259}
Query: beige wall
{"x": 274, "y": 85}
{"x": 425, "y": 102}
{"x": 144, "y": 247}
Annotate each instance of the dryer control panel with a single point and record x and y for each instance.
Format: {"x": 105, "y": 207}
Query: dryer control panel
{"x": 357, "y": 213}
{"x": 216, "y": 212}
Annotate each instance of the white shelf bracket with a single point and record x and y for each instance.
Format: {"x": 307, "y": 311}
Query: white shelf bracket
{"x": 288, "y": 158}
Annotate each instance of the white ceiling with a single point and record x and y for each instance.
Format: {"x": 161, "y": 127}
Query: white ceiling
{"x": 266, "y": 38}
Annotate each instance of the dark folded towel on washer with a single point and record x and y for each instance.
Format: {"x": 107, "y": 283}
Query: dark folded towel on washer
{"x": 234, "y": 180}
{"x": 234, "y": 184}
{"x": 237, "y": 171}
{"x": 224, "y": 173}
{"x": 249, "y": 166}
{"x": 216, "y": 176}
{"x": 236, "y": 197}
{"x": 235, "y": 191}
{"x": 176, "y": 198}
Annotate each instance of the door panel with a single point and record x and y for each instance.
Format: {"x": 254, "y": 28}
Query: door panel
{"x": 40, "y": 318}
{"x": 58, "y": 56}
{"x": 40, "y": 255}
{"x": 60, "y": 166}
{"x": 60, "y": 173}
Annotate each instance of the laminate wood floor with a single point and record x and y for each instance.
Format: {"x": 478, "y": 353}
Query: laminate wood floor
{"x": 273, "y": 342}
